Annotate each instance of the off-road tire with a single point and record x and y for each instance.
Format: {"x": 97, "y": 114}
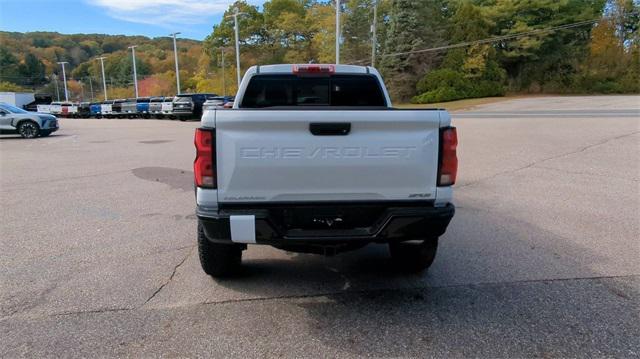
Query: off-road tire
{"x": 414, "y": 256}
{"x": 218, "y": 260}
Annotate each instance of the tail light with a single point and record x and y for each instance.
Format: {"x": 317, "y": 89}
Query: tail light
{"x": 448, "y": 169}
{"x": 314, "y": 69}
{"x": 204, "y": 167}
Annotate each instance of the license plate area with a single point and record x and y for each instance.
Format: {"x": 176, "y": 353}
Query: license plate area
{"x": 327, "y": 220}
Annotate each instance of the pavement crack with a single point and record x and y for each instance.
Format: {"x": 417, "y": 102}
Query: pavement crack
{"x": 381, "y": 290}
{"x": 534, "y": 163}
{"x": 173, "y": 273}
{"x": 332, "y": 293}
{"x": 93, "y": 311}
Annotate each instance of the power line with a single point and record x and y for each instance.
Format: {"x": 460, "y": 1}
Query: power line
{"x": 488, "y": 40}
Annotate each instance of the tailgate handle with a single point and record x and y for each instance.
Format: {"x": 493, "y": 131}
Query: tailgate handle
{"x": 330, "y": 128}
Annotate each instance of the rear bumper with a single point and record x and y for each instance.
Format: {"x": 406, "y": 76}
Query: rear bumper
{"x": 182, "y": 112}
{"x": 390, "y": 223}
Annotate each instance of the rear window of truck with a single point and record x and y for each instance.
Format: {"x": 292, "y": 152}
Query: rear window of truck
{"x": 291, "y": 90}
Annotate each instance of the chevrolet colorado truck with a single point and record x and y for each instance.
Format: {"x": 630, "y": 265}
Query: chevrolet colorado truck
{"x": 314, "y": 159}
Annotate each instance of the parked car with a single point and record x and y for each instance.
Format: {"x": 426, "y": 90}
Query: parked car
{"x": 39, "y": 99}
{"x": 313, "y": 158}
{"x": 167, "y": 107}
{"x": 189, "y": 106}
{"x": 106, "y": 109}
{"x": 142, "y": 107}
{"x": 95, "y": 110}
{"x": 27, "y": 124}
{"x": 84, "y": 110}
{"x": 130, "y": 108}
{"x": 218, "y": 102}
{"x": 116, "y": 108}
{"x": 155, "y": 106}
{"x": 63, "y": 109}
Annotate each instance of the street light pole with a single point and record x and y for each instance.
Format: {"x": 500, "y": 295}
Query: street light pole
{"x": 135, "y": 73}
{"x": 337, "y": 32}
{"x": 235, "y": 15}
{"x": 104, "y": 79}
{"x": 175, "y": 53}
{"x": 64, "y": 78}
{"x": 374, "y": 37}
{"x": 224, "y": 85}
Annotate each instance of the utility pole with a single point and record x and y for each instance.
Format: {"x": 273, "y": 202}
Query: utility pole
{"x": 175, "y": 53}
{"x": 91, "y": 88}
{"x": 135, "y": 73}
{"x": 104, "y": 79}
{"x": 55, "y": 82}
{"x": 81, "y": 90}
{"x": 337, "y": 32}
{"x": 374, "y": 35}
{"x": 64, "y": 78}
{"x": 237, "y": 31}
{"x": 224, "y": 85}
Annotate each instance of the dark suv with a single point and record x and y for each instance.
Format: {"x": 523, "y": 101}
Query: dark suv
{"x": 189, "y": 106}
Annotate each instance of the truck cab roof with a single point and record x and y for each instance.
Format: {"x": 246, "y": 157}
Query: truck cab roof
{"x": 311, "y": 68}
{"x": 294, "y": 85}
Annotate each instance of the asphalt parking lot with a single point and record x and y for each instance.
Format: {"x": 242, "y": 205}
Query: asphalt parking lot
{"x": 98, "y": 254}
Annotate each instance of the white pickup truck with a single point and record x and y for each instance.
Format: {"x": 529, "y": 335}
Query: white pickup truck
{"x": 313, "y": 158}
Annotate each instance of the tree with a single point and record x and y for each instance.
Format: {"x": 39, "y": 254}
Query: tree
{"x": 613, "y": 62}
{"x": 411, "y": 28}
{"x": 546, "y": 58}
{"x": 356, "y": 31}
{"x": 32, "y": 70}
{"x": 9, "y": 71}
{"x": 321, "y": 19}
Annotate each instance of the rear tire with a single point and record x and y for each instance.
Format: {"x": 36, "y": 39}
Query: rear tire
{"x": 28, "y": 129}
{"x": 218, "y": 260}
{"x": 415, "y": 256}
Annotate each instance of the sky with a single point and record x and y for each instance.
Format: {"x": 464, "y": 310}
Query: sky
{"x": 193, "y": 18}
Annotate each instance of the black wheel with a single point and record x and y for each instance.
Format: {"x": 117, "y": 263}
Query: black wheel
{"x": 414, "y": 256}
{"x": 44, "y": 133}
{"x": 28, "y": 129}
{"x": 218, "y": 260}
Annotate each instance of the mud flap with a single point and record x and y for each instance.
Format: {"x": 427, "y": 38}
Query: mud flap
{"x": 243, "y": 229}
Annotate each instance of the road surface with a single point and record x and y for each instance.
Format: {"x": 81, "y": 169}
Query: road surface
{"x": 97, "y": 232}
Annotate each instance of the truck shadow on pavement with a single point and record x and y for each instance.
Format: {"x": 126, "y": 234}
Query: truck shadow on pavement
{"x": 499, "y": 286}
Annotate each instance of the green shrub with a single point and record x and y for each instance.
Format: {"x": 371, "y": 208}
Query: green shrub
{"x": 441, "y": 78}
{"x": 449, "y": 85}
{"x": 11, "y": 87}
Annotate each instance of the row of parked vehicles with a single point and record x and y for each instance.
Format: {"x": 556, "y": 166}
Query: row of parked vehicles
{"x": 182, "y": 107}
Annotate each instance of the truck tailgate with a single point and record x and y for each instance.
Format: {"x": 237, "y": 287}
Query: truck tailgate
{"x": 354, "y": 155}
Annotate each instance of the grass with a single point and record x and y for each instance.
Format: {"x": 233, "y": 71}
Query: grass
{"x": 456, "y": 105}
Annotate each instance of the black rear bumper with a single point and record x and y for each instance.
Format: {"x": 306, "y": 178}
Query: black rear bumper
{"x": 331, "y": 224}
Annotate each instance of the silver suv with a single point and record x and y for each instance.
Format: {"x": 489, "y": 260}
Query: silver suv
{"x": 27, "y": 124}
